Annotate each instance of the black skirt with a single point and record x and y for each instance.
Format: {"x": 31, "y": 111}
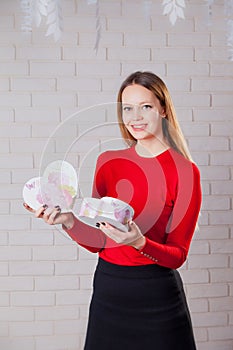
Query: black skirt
{"x": 138, "y": 307}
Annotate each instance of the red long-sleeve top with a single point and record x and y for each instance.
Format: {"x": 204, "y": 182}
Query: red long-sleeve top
{"x": 165, "y": 193}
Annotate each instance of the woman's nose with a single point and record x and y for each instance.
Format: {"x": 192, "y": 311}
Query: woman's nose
{"x": 137, "y": 113}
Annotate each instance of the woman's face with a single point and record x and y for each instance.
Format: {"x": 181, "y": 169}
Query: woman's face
{"x": 142, "y": 112}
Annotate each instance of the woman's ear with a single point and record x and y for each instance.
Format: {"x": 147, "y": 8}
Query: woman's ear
{"x": 162, "y": 110}
{"x": 163, "y": 113}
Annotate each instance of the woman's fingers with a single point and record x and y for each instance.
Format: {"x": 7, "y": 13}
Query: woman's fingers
{"x": 133, "y": 226}
{"x": 48, "y": 215}
{"x": 133, "y": 234}
{"x": 39, "y": 213}
{"x": 52, "y": 215}
{"x": 28, "y": 208}
{"x": 112, "y": 232}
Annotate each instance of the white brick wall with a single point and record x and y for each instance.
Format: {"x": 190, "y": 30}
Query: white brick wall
{"x": 46, "y": 279}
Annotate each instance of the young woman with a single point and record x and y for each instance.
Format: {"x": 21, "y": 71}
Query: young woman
{"x": 138, "y": 299}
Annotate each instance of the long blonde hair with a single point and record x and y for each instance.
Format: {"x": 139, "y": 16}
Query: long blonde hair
{"x": 170, "y": 126}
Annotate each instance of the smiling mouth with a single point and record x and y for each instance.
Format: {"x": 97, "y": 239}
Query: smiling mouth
{"x": 139, "y": 127}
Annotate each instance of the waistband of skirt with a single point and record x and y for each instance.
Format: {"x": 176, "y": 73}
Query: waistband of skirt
{"x": 135, "y": 271}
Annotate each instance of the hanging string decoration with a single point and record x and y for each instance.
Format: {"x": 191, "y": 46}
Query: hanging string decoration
{"x": 210, "y": 11}
{"x": 147, "y": 7}
{"x": 26, "y": 8}
{"x": 174, "y": 9}
{"x": 97, "y": 23}
{"x": 228, "y": 17}
{"x": 229, "y": 22}
{"x": 35, "y": 10}
{"x": 54, "y": 19}
{"x": 39, "y": 10}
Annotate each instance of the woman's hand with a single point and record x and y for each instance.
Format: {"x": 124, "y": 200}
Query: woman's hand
{"x": 133, "y": 237}
{"x": 52, "y": 216}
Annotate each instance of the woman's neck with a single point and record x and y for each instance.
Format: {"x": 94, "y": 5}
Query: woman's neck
{"x": 150, "y": 148}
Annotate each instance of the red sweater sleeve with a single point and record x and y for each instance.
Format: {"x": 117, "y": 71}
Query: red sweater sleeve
{"x": 179, "y": 231}
{"x": 86, "y": 236}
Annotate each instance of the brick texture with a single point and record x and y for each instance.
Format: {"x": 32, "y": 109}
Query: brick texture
{"x": 45, "y": 278}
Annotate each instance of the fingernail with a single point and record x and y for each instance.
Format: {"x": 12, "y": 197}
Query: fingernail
{"x": 103, "y": 223}
{"x": 57, "y": 207}
{"x": 45, "y": 206}
{"x": 97, "y": 224}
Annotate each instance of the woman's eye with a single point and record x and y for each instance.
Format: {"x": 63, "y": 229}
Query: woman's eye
{"x": 146, "y": 107}
{"x": 127, "y": 108}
